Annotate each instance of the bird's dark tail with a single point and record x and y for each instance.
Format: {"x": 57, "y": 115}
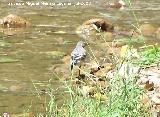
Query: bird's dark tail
{"x": 72, "y": 70}
{"x": 72, "y": 66}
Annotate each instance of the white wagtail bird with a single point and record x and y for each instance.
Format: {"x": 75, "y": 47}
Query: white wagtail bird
{"x": 78, "y": 55}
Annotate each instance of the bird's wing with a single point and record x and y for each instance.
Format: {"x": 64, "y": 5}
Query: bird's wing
{"x": 78, "y": 54}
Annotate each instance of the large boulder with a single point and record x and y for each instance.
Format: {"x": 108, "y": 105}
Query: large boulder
{"x": 102, "y": 24}
{"x": 13, "y": 21}
{"x": 93, "y": 29}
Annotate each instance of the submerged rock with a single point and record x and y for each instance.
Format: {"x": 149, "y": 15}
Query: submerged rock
{"x": 117, "y": 4}
{"x": 147, "y": 29}
{"x": 17, "y": 88}
{"x": 56, "y": 54}
{"x": 66, "y": 60}
{"x": 158, "y": 33}
{"x": 62, "y": 71}
{"x": 13, "y": 21}
{"x": 12, "y": 31}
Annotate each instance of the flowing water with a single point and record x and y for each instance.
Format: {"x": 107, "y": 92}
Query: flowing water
{"x": 53, "y": 27}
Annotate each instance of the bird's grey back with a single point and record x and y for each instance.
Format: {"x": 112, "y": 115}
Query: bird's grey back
{"x": 78, "y": 53}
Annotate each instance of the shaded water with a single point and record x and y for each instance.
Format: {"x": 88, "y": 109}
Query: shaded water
{"x": 29, "y": 45}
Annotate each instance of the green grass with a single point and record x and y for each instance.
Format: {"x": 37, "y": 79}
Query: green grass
{"x": 124, "y": 96}
{"x": 148, "y": 57}
{"x": 122, "y": 101}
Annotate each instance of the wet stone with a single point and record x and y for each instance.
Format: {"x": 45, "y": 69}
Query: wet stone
{"x": 14, "y": 21}
{"x": 147, "y": 29}
{"x": 90, "y": 28}
{"x": 158, "y": 33}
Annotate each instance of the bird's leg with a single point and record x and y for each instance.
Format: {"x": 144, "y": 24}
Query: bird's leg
{"x": 79, "y": 71}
